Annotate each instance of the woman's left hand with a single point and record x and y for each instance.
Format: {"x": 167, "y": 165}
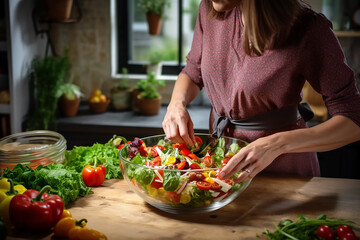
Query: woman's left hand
{"x": 251, "y": 159}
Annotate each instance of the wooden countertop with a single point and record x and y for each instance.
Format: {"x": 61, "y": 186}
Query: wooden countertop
{"x": 118, "y": 212}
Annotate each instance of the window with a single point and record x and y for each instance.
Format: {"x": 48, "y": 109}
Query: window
{"x": 132, "y": 45}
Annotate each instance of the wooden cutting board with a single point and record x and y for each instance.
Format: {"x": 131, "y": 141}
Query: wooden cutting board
{"x": 120, "y": 213}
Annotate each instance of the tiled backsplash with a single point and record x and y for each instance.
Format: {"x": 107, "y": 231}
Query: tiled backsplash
{"x": 90, "y": 51}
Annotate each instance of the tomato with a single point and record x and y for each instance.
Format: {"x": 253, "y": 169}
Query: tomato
{"x": 215, "y": 186}
{"x": 185, "y": 152}
{"x": 225, "y": 161}
{"x": 207, "y": 161}
{"x": 203, "y": 185}
{"x": 325, "y": 232}
{"x": 173, "y": 197}
{"x": 160, "y": 147}
{"x": 348, "y": 236}
{"x": 181, "y": 165}
{"x": 152, "y": 151}
{"x": 195, "y": 166}
{"x": 192, "y": 156}
{"x": 198, "y": 140}
{"x": 156, "y": 184}
{"x": 196, "y": 176}
{"x": 179, "y": 145}
{"x": 155, "y": 162}
{"x": 343, "y": 229}
{"x": 120, "y": 146}
{"x": 143, "y": 152}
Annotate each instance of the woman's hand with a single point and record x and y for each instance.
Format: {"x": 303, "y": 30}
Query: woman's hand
{"x": 178, "y": 125}
{"x": 251, "y": 159}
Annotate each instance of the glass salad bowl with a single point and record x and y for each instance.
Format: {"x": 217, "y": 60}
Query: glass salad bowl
{"x": 172, "y": 178}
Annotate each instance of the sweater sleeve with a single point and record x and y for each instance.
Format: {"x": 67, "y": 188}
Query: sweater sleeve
{"x": 193, "y": 59}
{"x": 325, "y": 68}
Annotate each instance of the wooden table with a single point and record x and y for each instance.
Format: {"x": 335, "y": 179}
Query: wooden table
{"x": 118, "y": 212}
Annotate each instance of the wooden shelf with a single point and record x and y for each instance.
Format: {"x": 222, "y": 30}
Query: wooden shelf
{"x": 347, "y": 33}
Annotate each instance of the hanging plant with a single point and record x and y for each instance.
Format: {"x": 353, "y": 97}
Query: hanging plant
{"x": 155, "y": 12}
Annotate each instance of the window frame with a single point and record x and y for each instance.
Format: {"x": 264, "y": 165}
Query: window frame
{"x": 120, "y": 44}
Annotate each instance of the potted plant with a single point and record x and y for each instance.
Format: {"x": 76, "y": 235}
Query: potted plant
{"x": 155, "y": 66}
{"x": 58, "y": 10}
{"x": 147, "y": 99}
{"x": 155, "y": 12}
{"x": 69, "y": 99}
{"x": 46, "y": 77}
{"x": 121, "y": 94}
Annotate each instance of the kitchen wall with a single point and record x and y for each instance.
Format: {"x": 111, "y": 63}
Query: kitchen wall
{"x": 89, "y": 43}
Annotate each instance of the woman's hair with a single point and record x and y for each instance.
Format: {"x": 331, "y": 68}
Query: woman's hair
{"x": 267, "y": 23}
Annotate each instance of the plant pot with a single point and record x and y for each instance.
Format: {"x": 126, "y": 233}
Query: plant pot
{"x": 155, "y": 68}
{"x": 99, "y": 107}
{"x": 121, "y": 99}
{"x": 59, "y": 10}
{"x": 154, "y": 23}
{"x": 68, "y": 108}
{"x": 148, "y": 106}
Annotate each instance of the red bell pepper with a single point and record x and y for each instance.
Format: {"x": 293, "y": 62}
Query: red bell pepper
{"x": 36, "y": 211}
{"x": 94, "y": 176}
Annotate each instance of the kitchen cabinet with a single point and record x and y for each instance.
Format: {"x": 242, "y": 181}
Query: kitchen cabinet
{"x": 18, "y": 46}
{"x": 117, "y": 211}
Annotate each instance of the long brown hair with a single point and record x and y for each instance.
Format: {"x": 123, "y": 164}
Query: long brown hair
{"x": 267, "y": 23}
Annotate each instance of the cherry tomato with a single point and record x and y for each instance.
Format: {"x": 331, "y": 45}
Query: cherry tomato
{"x": 198, "y": 140}
{"x": 152, "y": 151}
{"x": 348, "y": 236}
{"x": 203, "y": 185}
{"x": 192, "y": 156}
{"x": 325, "y": 232}
{"x": 196, "y": 176}
{"x": 225, "y": 161}
{"x": 185, "y": 152}
{"x": 156, "y": 184}
{"x": 195, "y": 166}
{"x": 155, "y": 162}
{"x": 181, "y": 165}
{"x": 343, "y": 229}
{"x": 179, "y": 145}
{"x": 143, "y": 152}
{"x": 207, "y": 161}
{"x": 173, "y": 197}
{"x": 160, "y": 147}
{"x": 215, "y": 186}
{"x": 120, "y": 146}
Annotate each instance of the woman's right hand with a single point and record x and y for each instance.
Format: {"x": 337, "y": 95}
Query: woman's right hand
{"x": 177, "y": 124}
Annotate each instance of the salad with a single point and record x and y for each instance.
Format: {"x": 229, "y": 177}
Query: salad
{"x": 172, "y": 173}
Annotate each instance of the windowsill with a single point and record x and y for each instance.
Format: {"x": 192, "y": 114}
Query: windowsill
{"x": 143, "y": 76}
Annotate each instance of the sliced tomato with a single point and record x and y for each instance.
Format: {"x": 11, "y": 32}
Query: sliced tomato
{"x": 173, "y": 197}
{"x": 151, "y": 151}
{"x": 192, "y": 156}
{"x": 207, "y": 161}
{"x": 120, "y": 146}
{"x": 181, "y": 165}
{"x": 142, "y": 151}
{"x": 203, "y": 185}
{"x": 185, "y": 152}
{"x": 156, "y": 183}
{"x": 225, "y": 161}
{"x": 161, "y": 147}
{"x": 179, "y": 145}
{"x": 155, "y": 162}
{"x": 215, "y": 186}
{"x": 198, "y": 140}
{"x": 195, "y": 166}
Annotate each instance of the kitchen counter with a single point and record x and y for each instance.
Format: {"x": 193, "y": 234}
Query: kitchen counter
{"x": 117, "y": 211}
{"x": 86, "y": 128}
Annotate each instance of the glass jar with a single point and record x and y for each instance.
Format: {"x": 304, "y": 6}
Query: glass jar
{"x": 32, "y": 148}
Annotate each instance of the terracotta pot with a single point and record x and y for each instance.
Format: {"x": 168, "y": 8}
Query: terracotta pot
{"x": 148, "y": 106}
{"x": 154, "y": 23}
{"x": 59, "y": 10}
{"x": 121, "y": 99}
{"x": 99, "y": 107}
{"x": 135, "y": 100}
{"x": 68, "y": 108}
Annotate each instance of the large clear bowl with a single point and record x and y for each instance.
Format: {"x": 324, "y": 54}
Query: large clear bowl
{"x": 32, "y": 148}
{"x": 160, "y": 199}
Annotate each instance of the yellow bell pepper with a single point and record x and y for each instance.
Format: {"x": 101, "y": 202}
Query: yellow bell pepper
{"x": 68, "y": 227}
{"x": 6, "y": 194}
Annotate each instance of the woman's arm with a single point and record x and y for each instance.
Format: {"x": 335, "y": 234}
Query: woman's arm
{"x": 334, "y": 133}
{"x": 177, "y": 123}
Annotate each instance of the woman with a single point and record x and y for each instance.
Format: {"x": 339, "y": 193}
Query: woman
{"x": 253, "y": 57}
